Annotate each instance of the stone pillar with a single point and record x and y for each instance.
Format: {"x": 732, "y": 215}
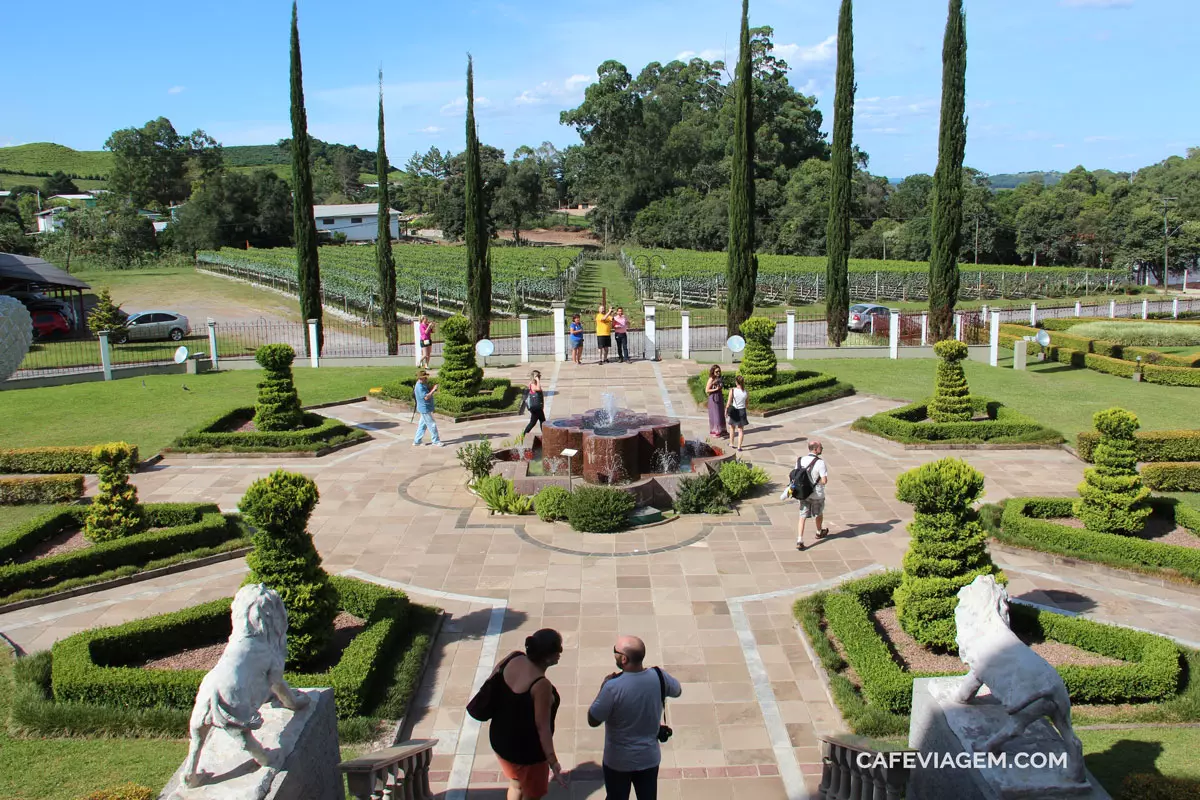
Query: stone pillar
{"x": 524, "y": 338}
{"x": 649, "y": 339}
{"x": 1145, "y": 308}
{"x": 212, "y": 344}
{"x": 894, "y": 335}
{"x": 314, "y": 358}
{"x": 416, "y": 325}
{"x": 105, "y": 356}
{"x": 1033, "y": 315}
{"x": 994, "y": 340}
{"x": 924, "y": 328}
{"x": 1175, "y": 308}
{"x": 685, "y": 347}
{"x": 958, "y": 327}
{"x": 1020, "y": 353}
{"x": 791, "y": 334}
{"x": 560, "y": 330}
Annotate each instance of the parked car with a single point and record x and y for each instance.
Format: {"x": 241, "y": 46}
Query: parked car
{"x": 862, "y": 314}
{"x": 155, "y": 325}
{"x": 49, "y": 323}
{"x": 35, "y": 301}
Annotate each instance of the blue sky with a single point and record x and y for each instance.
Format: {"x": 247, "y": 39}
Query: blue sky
{"x": 1050, "y": 83}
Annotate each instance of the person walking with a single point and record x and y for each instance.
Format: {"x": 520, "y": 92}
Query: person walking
{"x": 621, "y": 334}
{"x": 535, "y": 401}
{"x": 525, "y": 704}
{"x": 715, "y": 390}
{"x": 425, "y": 328}
{"x": 576, "y": 339}
{"x": 813, "y": 505}
{"x": 604, "y": 326}
{"x": 630, "y": 704}
{"x": 736, "y": 411}
{"x": 423, "y": 395}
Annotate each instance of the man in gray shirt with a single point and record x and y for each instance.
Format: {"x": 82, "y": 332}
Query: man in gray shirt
{"x": 630, "y": 705}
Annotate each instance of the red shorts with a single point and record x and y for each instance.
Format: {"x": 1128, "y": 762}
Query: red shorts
{"x": 534, "y": 778}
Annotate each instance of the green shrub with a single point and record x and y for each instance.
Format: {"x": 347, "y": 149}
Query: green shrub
{"x": 702, "y": 494}
{"x": 740, "y": 478}
{"x": 496, "y": 395}
{"x": 947, "y": 551}
{"x": 476, "y": 458}
{"x": 284, "y": 559}
{"x": 497, "y": 492}
{"x": 114, "y": 512}
{"x": 106, "y": 316}
{"x": 790, "y": 389}
{"x": 1172, "y": 476}
{"x": 1151, "y": 786}
{"x": 599, "y": 509}
{"x": 459, "y": 375}
{"x": 551, "y": 503}
{"x": 278, "y": 406}
{"x": 40, "y": 489}
{"x": 1002, "y": 426}
{"x": 951, "y": 398}
{"x": 1112, "y": 498}
{"x": 128, "y": 791}
{"x": 758, "y": 362}
{"x": 53, "y": 460}
{"x": 1151, "y": 445}
{"x": 318, "y": 433}
{"x": 1143, "y": 334}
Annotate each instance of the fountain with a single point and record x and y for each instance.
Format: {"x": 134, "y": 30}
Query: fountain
{"x": 616, "y": 445}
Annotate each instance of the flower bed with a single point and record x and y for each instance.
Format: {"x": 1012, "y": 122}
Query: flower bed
{"x": 222, "y": 435}
{"x": 787, "y": 390}
{"x": 1002, "y": 425}
{"x": 497, "y": 397}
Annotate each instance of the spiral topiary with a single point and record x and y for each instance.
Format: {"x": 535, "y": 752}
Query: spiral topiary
{"x": 1112, "y": 498}
{"x": 459, "y": 375}
{"x": 284, "y": 559}
{"x": 951, "y": 398}
{"x": 758, "y": 362}
{"x": 947, "y": 551}
{"x": 278, "y": 405}
{"x": 115, "y": 511}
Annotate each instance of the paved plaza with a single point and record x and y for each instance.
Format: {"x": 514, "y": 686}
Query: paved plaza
{"x": 711, "y": 595}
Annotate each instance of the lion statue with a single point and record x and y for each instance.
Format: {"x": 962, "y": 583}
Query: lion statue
{"x": 1027, "y": 686}
{"x": 248, "y": 674}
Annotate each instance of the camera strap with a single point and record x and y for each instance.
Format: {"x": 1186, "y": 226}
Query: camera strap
{"x": 662, "y": 687}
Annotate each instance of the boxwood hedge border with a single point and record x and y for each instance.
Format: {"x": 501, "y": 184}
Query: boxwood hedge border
{"x": 1077, "y": 351}
{"x": 792, "y": 389}
{"x": 52, "y": 460}
{"x": 1167, "y": 445}
{"x": 320, "y": 433}
{"x": 1003, "y": 426}
{"x": 19, "y": 489}
{"x": 501, "y": 398}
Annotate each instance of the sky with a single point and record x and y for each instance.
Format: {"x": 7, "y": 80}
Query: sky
{"x": 1050, "y": 83}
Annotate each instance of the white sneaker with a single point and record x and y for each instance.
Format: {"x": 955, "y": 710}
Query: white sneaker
{"x": 436, "y": 444}
{"x": 417, "y": 444}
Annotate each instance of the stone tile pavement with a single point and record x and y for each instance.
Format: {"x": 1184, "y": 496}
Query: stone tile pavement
{"x": 711, "y": 596}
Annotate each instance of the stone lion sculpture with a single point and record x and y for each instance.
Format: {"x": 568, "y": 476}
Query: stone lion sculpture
{"x": 1027, "y": 686}
{"x": 248, "y": 674}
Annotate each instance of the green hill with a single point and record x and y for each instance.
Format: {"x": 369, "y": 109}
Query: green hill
{"x": 1011, "y": 180}
{"x": 44, "y": 158}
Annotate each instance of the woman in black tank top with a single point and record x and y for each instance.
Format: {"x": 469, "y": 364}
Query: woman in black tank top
{"x": 522, "y": 729}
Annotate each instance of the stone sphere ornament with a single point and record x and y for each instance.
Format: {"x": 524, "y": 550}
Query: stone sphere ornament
{"x": 16, "y": 335}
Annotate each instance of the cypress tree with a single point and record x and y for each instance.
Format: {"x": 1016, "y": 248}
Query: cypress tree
{"x": 384, "y": 264}
{"x": 308, "y": 269}
{"x": 946, "y": 215}
{"x": 837, "y": 294}
{"x": 479, "y": 265}
{"x": 743, "y": 264}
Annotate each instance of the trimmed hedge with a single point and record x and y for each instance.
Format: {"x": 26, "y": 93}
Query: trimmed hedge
{"x": 1097, "y": 355}
{"x": 1151, "y": 445}
{"x": 1024, "y": 524}
{"x": 52, "y": 460}
{"x": 216, "y": 436}
{"x": 551, "y": 503}
{"x": 791, "y": 389}
{"x": 1172, "y": 476}
{"x": 1003, "y": 426}
{"x": 40, "y": 489}
{"x": 497, "y": 395}
{"x": 99, "y": 666}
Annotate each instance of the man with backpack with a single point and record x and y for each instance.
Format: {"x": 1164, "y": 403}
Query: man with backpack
{"x": 808, "y": 481}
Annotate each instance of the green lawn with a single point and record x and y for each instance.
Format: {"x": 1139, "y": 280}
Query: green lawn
{"x": 1110, "y": 755}
{"x": 15, "y": 515}
{"x": 1056, "y": 395}
{"x": 152, "y": 411}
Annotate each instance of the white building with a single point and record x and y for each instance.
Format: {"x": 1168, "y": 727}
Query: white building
{"x": 51, "y": 219}
{"x": 359, "y": 221}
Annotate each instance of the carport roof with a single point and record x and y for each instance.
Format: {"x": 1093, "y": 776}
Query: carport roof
{"x": 30, "y": 269}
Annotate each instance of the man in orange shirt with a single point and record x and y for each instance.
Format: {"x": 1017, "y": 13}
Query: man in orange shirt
{"x": 603, "y": 333}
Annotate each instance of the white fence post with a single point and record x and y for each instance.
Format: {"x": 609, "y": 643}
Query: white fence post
{"x": 105, "y": 356}
{"x": 994, "y": 340}
{"x": 791, "y": 334}
{"x": 1145, "y": 308}
{"x": 685, "y": 346}
{"x": 416, "y": 342}
{"x": 1078, "y": 308}
{"x": 1175, "y": 308}
{"x": 524, "y": 338}
{"x": 958, "y": 327}
{"x": 1112, "y": 309}
{"x": 924, "y": 328}
{"x": 984, "y": 312}
{"x": 560, "y": 330}
{"x": 314, "y": 358}
{"x": 1033, "y": 315}
{"x": 212, "y": 343}
{"x": 649, "y": 338}
{"x": 894, "y": 335}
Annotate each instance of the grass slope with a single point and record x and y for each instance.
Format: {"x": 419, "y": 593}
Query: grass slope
{"x": 48, "y": 157}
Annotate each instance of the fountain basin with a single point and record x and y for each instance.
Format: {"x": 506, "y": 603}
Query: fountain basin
{"x": 615, "y": 446}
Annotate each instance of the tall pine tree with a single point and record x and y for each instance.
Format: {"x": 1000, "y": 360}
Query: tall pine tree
{"x": 479, "y": 266}
{"x": 946, "y": 215}
{"x": 384, "y": 265}
{"x": 308, "y": 269}
{"x": 837, "y": 294}
{"x": 743, "y": 264}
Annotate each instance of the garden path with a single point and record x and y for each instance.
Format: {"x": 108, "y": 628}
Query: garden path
{"x": 713, "y": 603}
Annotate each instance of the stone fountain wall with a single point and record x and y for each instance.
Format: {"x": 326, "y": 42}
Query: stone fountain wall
{"x": 613, "y": 448}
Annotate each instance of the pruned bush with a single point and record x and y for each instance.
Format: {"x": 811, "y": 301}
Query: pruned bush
{"x": 459, "y": 375}
{"x": 1003, "y": 425}
{"x": 599, "y": 509}
{"x": 758, "y": 361}
{"x": 1172, "y": 476}
{"x": 278, "y": 405}
{"x": 740, "y": 478}
{"x": 497, "y": 491}
{"x": 476, "y": 458}
{"x": 947, "y": 551}
{"x": 115, "y": 511}
{"x": 1112, "y": 498}
{"x": 55, "y": 460}
{"x": 284, "y": 559}
{"x": 951, "y": 398}
{"x": 551, "y": 503}
{"x": 1144, "y": 334}
{"x": 702, "y": 494}
{"x": 40, "y": 489}
{"x": 1183, "y": 445}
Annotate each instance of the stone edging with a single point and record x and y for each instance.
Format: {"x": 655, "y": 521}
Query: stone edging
{"x": 963, "y": 446}
{"x": 400, "y": 731}
{"x": 184, "y": 566}
{"x": 1055, "y": 559}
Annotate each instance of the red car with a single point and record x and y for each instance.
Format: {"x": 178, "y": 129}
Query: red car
{"x": 49, "y": 324}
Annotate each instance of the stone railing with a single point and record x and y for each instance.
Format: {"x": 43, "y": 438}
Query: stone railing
{"x": 843, "y": 778}
{"x": 396, "y": 773}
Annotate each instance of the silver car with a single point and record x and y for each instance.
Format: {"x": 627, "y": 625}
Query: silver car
{"x": 862, "y": 314}
{"x": 155, "y": 325}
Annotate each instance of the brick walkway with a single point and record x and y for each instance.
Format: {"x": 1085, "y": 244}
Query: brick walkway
{"x": 713, "y": 604}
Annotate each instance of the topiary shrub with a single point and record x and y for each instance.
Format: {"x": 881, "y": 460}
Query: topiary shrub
{"x": 459, "y": 375}
{"x": 476, "y": 458}
{"x": 951, "y": 398}
{"x": 599, "y": 509}
{"x": 739, "y": 478}
{"x": 758, "y": 361}
{"x": 1112, "y": 498}
{"x": 115, "y": 511}
{"x": 947, "y": 551}
{"x": 284, "y": 559}
{"x": 278, "y": 405}
{"x": 702, "y": 494}
{"x": 551, "y": 503}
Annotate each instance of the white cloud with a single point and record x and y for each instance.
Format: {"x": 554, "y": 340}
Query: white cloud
{"x": 459, "y": 105}
{"x": 896, "y": 107}
{"x": 1096, "y": 3}
{"x": 711, "y": 54}
{"x": 568, "y": 91}
{"x": 175, "y": 89}
{"x": 577, "y": 81}
{"x": 430, "y": 129}
{"x": 819, "y": 53}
